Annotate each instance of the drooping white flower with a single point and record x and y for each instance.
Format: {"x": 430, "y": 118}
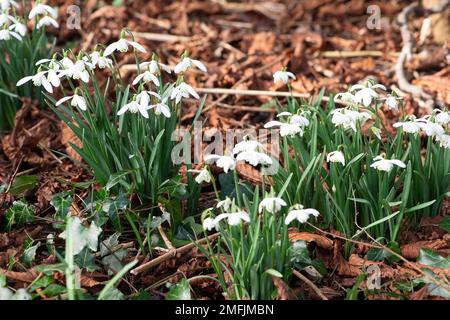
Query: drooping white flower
{"x": 225, "y": 204}
{"x": 254, "y": 158}
{"x": 286, "y": 129}
{"x": 47, "y": 21}
{"x": 122, "y": 46}
{"x": 382, "y": 164}
{"x": 144, "y": 98}
{"x": 76, "y": 101}
{"x": 271, "y": 204}
{"x": 366, "y": 93}
{"x": 298, "y": 212}
{"x": 183, "y": 90}
{"x": 6, "y": 35}
{"x": 348, "y": 118}
{"x": 225, "y": 162}
{"x": 208, "y": 224}
{"x": 134, "y": 107}
{"x": 146, "y": 77}
{"x": 187, "y": 63}
{"x": 98, "y": 59}
{"x": 410, "y": 126}
{"x": 442, "y": 117}
{"x": 347, "y": 97}
{"x": 154, "y": 66}
{"x": 39, "y": 79}
{"x": 77, "y": 70}
{"x": 444, "y": 140}
{"x": 42, "y": 9}
{"x": 202, "y": 176}
{"x": 430, "y": 128}
{"x": 19, "y": 28}
{"x": 6, "y": 18}
{"x": 233, "y": 218}
{"x": 283, "y": 76}
{"x": 392, "y": 102}
{"x": 247, "y": 145}
{"x": 162, "y": 108}
{"x": 7, "y": 4}
{"x": 336, "y": 156}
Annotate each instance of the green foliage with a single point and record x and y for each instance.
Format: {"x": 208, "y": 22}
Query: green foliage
{"x": 19, "y": 214}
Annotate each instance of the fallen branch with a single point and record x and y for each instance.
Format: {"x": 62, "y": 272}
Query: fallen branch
{"x": 172, "y": 253}
{"x": 310, "y": 284}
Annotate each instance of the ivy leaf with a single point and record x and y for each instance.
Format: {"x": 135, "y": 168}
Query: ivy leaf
{"x": 180, "y": 291}
{"x": 430, "y": 258}
{"x": 61, "y": 202}
{"x": 378, "y": 254}
{"x": 19, "y": 214}
{"x": 83, "y": 236}
{"x": 23, "y": 184}
{"x": 86, "y": 260}
{"x": 30, "y": 254}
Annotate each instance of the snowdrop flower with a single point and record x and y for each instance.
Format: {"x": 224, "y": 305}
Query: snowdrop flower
{"x": 6, "y": 35}
{"x": 183, "y": 90}
{"x": 76, "y": 101}
{"x": 444, "y": 140}
{"x": 134, "y": 107}
{"x": 254, "y": 158}
{"x": 122, "y": 46}
{"x": 336, "y": 156}
{"x": 298, "y": 212}
{"x": 247, "y": 145}
{"x": 225, "y": 204}
{"x": 98, "y": 59}
{"x": 6, "y": 4}
{"x": 146, "y": 77}
{"x": 154, "y": 66}
{"x": 52, "y": 72}
{"x": 39, "y": 79}
{"x": 187, "y": 63}
{"x": 348, "y": 118}
{"x": 77, "y": 70}
{"x": 6, "y": 18}
{"x": 286, "y": 129}
{"x": 143, "y": 97}
{"x": 225, "y": 162}
{"x": 271, "y": 204}
{"x": 234, "y": 218}
{"x": 209, "y": 224}
{"x": 283, "y": 76}
{"x": 366, "y": 93}
{"x": 431, "y": 129}
{"x": 382, "y": 164}
{"x": 41, "y": 9}
{"x": 47, "y": 21}
{"x": 202, "y": 176}
{"x": 391, "y": 102}
{"x": 347, "y": 97}
{"x": 411, "y": 126}
{"x": 19, "y": 28}
{"x": 442, "y": 117}
{"x": 162, "y": 107}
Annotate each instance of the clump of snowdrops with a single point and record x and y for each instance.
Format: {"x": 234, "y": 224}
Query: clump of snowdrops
{"x": 345, "y": 163}
{"x": 20, "y": 50}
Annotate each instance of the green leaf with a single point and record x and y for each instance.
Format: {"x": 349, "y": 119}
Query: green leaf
{"x": 62, "y": 203}
{"x": 378, "y": 254}
{"x": 83, "y": 236}
{"x": 445, "y": 224}
{"x": 274, "y": 273}
{"x": 19, "y": 214}
{"x": 180, "y": 291}
{"x": 430, "y": 258}
{"x": 23, "y": 184}
{"x": 420, "y": 206}
{"x": 29, "y": 255}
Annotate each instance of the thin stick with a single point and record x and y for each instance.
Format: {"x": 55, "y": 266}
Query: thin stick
{"x": 310, "y": 284}
{"x": 171, "y": 254}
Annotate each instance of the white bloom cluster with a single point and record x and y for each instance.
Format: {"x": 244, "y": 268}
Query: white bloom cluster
{"x": 295, "y": 124}
{"x": 433, "y": 125}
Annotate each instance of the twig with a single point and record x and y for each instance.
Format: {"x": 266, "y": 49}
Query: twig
{"x": 310, "y": 284}
{"x": 171, "y": 254}
{"x": 351, "y": 54}
{"x": 406, "y": 51}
